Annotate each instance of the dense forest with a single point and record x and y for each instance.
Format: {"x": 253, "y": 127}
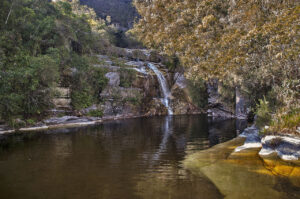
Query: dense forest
{"x": 121, "y": 12}
{"x": 41, "y": 41}
{"x": 252, "y": 46}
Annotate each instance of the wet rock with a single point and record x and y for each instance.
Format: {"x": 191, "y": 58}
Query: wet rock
{"x": 155, "y": 107}
{"x": 253, "y": 140}
{"x": 69, "y": 119}
{"x": 135, "y": 63}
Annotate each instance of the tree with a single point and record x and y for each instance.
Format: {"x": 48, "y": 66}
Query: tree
{"x": 247, "y": 43}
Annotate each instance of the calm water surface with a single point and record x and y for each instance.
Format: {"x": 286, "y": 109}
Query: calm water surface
{"x": 126, "y": 159}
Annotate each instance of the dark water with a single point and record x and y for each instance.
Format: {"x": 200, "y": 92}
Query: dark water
{"x": 134, "y": 158}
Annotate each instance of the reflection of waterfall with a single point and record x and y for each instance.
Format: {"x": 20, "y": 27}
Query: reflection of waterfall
{"x": 164, "y": 87}
{"x": 166, "y": 134}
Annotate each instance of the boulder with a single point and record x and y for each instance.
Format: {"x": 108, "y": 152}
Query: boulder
{"x": 113, "y": 79}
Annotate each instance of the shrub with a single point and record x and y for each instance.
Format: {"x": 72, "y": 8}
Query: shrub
{"x": 87, "y": 83}
{"x": 263, "y": 113}
{"x": 30, "y": 122}
{"x": 197, "y": 90}
{"x": 82, "y": 99}
{"x": 127, "y": 77}
{"x": 286, "y": 122}
{"x": 95, "y": 113}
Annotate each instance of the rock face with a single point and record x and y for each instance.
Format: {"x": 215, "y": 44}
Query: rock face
{"x": 141, "y": 94}
{"x": 241, "y": 105}
{"x": 113, "y": 79}
{"x": 62, "y": 101}
{"x": 216, "y": 107}
{"x": 133, "y": 88}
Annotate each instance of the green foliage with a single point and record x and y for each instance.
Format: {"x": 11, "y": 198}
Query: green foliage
{"x": 263, "y": 113}
{"x": 25, "y": 86}
{"x": 127, "y": 77}
{"x": 82, "y": 98}
{"x": 40, "y": 43}
{"x": 197, "y": 91}
{"x": 134, "y": 100}
{"x": 285, "y": 121}
{"x": 30, "y": 122}
{"x": 227, "y": 95}
{"x": 16, "y": 123}
{"x": 116, "y": 61}
{"x": 87, "y": 83}
{"x": 95, "y": 113}
{"x": 171, "y": 62}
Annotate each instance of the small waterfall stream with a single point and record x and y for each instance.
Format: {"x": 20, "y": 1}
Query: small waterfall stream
{"x": 164, "y": 87}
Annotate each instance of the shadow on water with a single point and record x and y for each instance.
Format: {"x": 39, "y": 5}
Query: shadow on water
{"x": 134, "y": 158}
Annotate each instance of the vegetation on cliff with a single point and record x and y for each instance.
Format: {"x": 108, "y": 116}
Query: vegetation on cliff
{"x": 253, "y": 45}
{"x": 39, "y": 43}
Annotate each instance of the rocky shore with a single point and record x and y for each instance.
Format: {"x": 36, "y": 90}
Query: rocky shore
{"x": 63, "y": 122}
{"x": 286, "y": 147}
{"x": 243, "y": 160}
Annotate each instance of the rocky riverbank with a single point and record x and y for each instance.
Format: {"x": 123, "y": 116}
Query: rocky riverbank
{"x": 243, "y": 161}
{"x": 286, "y": 147}
{"x": 65, "y": 122}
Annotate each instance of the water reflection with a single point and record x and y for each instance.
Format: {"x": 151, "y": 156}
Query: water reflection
{"x": 136, "y": 158}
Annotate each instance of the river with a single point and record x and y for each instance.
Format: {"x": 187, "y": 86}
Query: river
{"x": 132, "y": 158}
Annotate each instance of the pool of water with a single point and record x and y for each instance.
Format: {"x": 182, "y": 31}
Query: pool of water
{"x": 133, "y": 158}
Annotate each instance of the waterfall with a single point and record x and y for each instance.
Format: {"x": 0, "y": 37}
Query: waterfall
{"x": 164, "y": 87}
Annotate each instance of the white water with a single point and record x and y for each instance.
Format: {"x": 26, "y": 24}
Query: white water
{"x": 164, "y": 87}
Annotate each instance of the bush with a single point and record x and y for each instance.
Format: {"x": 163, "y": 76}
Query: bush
{"x": 263, "y": 113}
{"x": 171, "y": 62}
{"x": 286, "y": 122}
{"x": 95, "y": 113}
{"x": 82, "y": 99}
{"x": 26, "y": 87}
{"x": 197, "y": 90}
{"x": 87, "y": 83}
{"x": 127, "y": 77}
{"x": 30, "y": 122}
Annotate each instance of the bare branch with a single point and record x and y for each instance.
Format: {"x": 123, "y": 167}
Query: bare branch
{"x": 12, "y": 4}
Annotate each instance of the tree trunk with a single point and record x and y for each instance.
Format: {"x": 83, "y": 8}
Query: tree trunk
{"x": 9, "y": 12}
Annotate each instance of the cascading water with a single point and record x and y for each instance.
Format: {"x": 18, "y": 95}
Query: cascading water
{"x": 164, "y": 87}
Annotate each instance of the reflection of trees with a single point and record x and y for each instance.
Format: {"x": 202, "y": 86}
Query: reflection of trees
{"x": 118, "y": 159}
{"x": 220, "y": 131}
